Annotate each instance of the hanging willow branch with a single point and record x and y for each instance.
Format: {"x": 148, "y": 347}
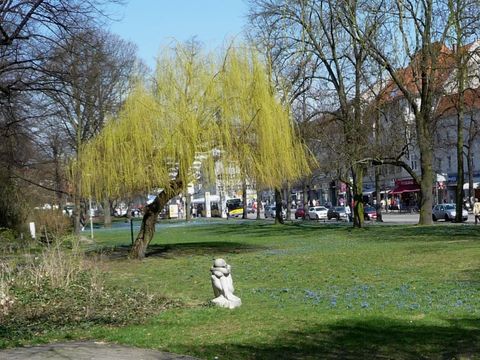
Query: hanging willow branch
{"x": 195, "y": 107}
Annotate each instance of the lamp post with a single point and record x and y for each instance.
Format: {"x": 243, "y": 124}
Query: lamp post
{"x": 91, "y": 217}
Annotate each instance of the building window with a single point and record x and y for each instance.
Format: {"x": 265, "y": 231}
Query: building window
{"x": 413, "y": 162}
{"x": 449, "y": 159}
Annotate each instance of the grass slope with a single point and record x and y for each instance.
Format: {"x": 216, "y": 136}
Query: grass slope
{"x": 308, "y": 291}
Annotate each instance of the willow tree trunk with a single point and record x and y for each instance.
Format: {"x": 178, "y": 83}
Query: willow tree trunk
{"x": 147, "y": 229}
{"x": 278, "y": 207}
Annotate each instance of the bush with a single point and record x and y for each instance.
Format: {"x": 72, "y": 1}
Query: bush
{"x": 51, "y": 224}
{"x": 13, "y": 202}
{"x": 60, "y": 289}
{"x": 10, "y": 242}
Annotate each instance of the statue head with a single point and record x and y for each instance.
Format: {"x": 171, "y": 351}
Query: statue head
{"x": 219, "y": 263}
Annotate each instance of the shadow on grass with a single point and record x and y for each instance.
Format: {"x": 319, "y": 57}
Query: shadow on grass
{"x": 181, "y": 249}
{"x": 449, "y": 233}
{"x": 377, "y": 338}
{"x": 264, "y": 229}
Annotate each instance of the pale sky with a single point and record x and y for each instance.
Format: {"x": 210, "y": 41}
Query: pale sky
{"x": 153, "y": 24}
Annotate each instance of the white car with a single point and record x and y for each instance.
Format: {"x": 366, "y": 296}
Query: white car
{"x": 270, "y": 212}
{"x": 447, "y": 212}
{"x": 317, "y": 213}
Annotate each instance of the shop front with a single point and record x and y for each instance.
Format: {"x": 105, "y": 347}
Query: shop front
{"x": 405, "y": 195}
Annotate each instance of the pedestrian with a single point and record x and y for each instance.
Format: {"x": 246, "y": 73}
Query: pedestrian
{"x": 476, "y": 210}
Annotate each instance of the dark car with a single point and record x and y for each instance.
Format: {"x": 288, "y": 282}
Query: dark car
{"x": 369, "y": 213}
{"x": 339, "y": 213}
{"x": 300, "y": 213}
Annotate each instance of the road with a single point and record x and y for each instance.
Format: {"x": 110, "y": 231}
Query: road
{"x": 392, "y": 218}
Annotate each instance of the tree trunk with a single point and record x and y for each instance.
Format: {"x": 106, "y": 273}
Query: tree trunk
{"x": 378, "y": 199}
{"x": 77, "y": 211}
{"x": 471, "y": 191}
{"x": 460, "y": 180}
{"x": 259, "y": 203}
{"x": 107, "y": 216}
{"x": 244, "y": 199}
{"x": 461, "y": 78}
{"x": 278, "y": 207}
{"x": 305, "y": 195}
{"x": 357, "y": 175}
{"x": 289, "y": 201}
{"x": 426, "y": 183}
{"x": 188, "y": 207}
{"x": 147, "y": 229}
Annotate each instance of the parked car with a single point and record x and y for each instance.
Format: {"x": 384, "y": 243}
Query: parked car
{"x": 447, "y": 212}
{"x": 339, "y": 213}
{"x": 270, "y": 212}
{"x": 317, "y": 213}
{"x": 369, "y": 213}
{"x": 300, "y": 213}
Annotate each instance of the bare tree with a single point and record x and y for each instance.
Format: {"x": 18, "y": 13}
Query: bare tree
{"x": 465, "y": 16}
{"x": 415, "y": 59}
{"x": 91, "y": 75}
{"x": 29, "y": 29}
{"x": 319, "y": 30}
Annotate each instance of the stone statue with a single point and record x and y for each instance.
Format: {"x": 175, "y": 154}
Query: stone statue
{"x": 222, "y": 284}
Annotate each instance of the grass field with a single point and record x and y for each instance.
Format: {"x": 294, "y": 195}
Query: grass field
{"x": 309, "y": 291}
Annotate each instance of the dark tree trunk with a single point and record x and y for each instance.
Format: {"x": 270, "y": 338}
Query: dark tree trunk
{"x": 244, "y": 199}
{"x": 278, "y": 207}
{"x": 77, "y": 212}
{"x": 357, "y": 188}
{"x": 188, "y": 207}
{"x": 259, "y": 203}
{"x": 471, "y": 191}
{"x": 378, "y": 207}
{"x": 147, "y": 229}
{"x": 305, "y": 195}
{"x": 288, "y": 196}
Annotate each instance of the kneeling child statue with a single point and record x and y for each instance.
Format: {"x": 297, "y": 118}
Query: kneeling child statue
{"x": 222, "y": 284}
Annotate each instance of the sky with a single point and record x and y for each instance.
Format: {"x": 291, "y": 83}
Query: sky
{"x": 153, "y": 24}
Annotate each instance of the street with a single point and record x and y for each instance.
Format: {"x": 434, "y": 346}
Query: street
{"x": 390, "y": 218}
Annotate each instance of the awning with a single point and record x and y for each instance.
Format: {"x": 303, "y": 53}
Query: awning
{"x": 405, "y": 188}
{"x": 466, "y": 185}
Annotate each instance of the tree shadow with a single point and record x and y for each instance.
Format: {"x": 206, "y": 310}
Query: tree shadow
{"x": 263, "y": 229}
{"x": 167, "y": 251}
{"x": 452, "y": 233}
{"x": 376, "y": 338}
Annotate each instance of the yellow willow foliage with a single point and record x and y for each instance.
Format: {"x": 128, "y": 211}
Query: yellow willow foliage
{"x": 194, "y": 107}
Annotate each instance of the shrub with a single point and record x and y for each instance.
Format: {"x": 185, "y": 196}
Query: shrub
{"x": 60, "y": 289}
{"x": 51, "y": 224}
{"x": 10, "y": 242}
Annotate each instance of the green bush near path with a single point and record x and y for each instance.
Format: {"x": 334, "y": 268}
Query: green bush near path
{"x": 309, "y": 291}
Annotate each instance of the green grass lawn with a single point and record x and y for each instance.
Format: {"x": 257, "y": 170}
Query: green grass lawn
{"x": 309, "y": 291}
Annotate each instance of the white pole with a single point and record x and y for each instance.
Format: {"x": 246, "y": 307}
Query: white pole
{"x": 91, "y": 218}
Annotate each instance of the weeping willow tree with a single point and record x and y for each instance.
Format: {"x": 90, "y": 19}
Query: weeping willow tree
{"x": 197, "y": 107}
